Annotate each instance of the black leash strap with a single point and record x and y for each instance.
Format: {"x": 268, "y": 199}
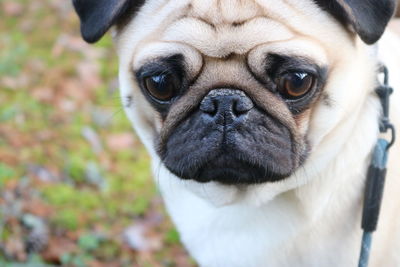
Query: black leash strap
{"x": 377, "y": 172}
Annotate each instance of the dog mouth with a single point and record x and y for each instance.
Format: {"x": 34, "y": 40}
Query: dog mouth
{"x": 227, "y": 169}
{"x": 231, "y": 163}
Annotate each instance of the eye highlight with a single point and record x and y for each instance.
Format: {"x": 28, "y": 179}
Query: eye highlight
{"x": 162, "y": 87}
{"x": 295, "y": 85}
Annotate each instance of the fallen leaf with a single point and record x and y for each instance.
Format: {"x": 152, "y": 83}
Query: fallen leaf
{"x": 57, "y": 247}
{"x": 38, "y": 208}
{"x": 12, "y": 8}
{"x": 117, "y": 142}
{"x": 16, "y": 247}
{"x": 43, "y": 94}
{"x": 93, "y": 138}
{"x": 96, "y": 263}
{"x": 140, "y": 238}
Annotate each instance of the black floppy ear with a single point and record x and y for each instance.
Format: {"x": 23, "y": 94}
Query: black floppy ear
{"x": 369, "y": 18}
{"x": 97, "y": 16}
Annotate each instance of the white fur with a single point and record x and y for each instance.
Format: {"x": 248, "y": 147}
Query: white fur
{"x": 313, "y": 217}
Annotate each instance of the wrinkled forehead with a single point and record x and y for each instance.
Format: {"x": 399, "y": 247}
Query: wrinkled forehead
{"x": 220, "y": 28}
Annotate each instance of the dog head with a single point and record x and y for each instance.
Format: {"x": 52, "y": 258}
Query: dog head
{"x": 241, "y": 92}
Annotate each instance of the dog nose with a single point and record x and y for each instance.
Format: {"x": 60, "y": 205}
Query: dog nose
{"x": 226, "y": 105}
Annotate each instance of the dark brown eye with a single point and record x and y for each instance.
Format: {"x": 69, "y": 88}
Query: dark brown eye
{"x": 162, "y": 87}
{"x": 294, "y": 85}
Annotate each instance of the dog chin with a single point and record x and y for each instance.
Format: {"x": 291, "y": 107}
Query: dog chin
{"x": 229, "y": 170}
{"x": 218, "y": 194}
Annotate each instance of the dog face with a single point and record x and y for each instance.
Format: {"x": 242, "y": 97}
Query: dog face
{"x": 241, "y": 92}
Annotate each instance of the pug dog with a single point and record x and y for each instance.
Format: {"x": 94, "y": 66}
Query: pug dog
{"x": 260, "y": 117}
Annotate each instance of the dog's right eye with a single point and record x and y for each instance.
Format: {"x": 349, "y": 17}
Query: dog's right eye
{"x": 161, "y": 87}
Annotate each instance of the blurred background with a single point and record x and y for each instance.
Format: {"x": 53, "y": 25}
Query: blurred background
{"x": 75, "y": 186}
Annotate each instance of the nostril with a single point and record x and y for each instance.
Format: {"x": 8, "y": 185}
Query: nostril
{"x": 235, "y": 109}
{"x": 241, "y": 106}
{"x": 209, "y": 106}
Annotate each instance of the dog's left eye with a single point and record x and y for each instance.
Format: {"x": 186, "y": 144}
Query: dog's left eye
{"x": 162, "y": 87}
{"x": 294, "y": 85}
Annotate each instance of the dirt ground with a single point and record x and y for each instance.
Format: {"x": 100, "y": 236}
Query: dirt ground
{"x": 75, "y": 187}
